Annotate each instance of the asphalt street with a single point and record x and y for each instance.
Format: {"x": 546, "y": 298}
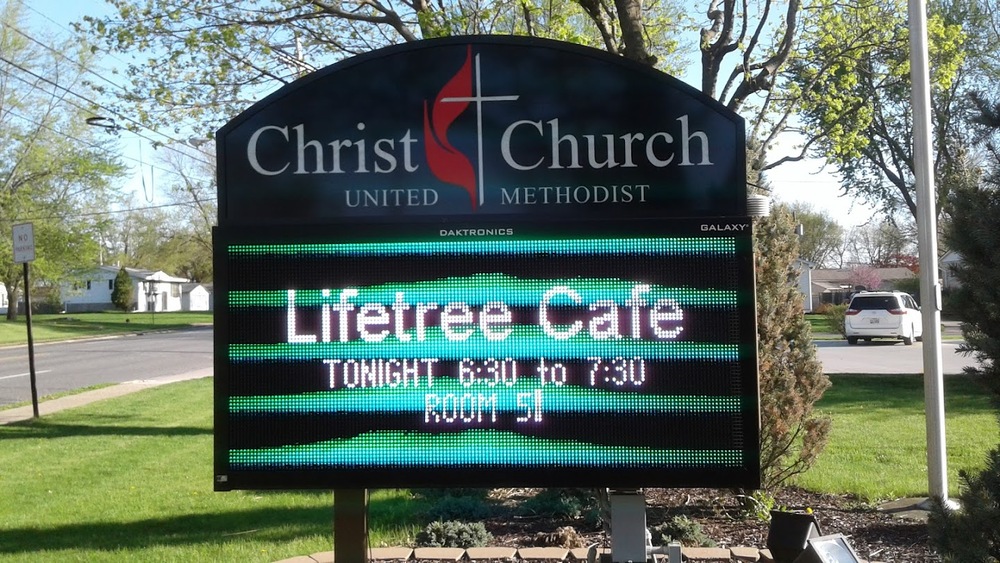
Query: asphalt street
{"x": 887, "y": 357}
{"x": 67, "y": 366}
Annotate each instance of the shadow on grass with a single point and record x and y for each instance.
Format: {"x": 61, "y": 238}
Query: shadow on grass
{"x": 103, "y": 426}
{"x": 278, "y": 524}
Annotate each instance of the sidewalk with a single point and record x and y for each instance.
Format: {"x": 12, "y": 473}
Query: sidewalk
{"x": 20, "y": 414}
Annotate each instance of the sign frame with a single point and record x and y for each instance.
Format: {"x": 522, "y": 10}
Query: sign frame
{"x": 280, "y": 180}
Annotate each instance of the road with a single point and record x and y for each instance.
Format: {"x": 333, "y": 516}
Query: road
{"x": 66, "y": 366}
{"x": 886, "y": 357}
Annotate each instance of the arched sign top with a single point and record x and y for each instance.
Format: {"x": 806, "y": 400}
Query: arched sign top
{"x": 481, "y": 126}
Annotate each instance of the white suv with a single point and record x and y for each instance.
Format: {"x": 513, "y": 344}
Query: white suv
{"x": 883, "y": 314}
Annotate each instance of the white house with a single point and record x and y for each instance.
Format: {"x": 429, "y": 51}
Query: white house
{"x": 947, "y": 265}
{"x": 151, "y": 290}
{"x": 195, "y": 297}
{"x": 4, "y": 298}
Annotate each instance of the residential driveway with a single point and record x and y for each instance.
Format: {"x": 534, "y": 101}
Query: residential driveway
{"x": 886, "y": 357}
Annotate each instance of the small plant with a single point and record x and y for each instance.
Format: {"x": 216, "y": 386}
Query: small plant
{"x": 681, "y": 529}
{"x": 758, "y": 505}
{"x": 561, "y": 503}
{"x": 454, "y": 507}
{"x": 835, "y": 318}
{"x": 453, "y": 533}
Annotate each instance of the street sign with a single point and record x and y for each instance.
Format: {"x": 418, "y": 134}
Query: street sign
{"x": 24, "y": 243}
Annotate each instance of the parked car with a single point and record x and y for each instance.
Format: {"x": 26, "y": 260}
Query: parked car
{"x": 883, "y": 314}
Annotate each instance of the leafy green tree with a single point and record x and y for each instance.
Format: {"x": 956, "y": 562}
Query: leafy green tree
{"x": 213, "y": 58}
{"x": 53, "y": 172}
{"x": 853, "y": 83}
{"x": 121, "y": 295}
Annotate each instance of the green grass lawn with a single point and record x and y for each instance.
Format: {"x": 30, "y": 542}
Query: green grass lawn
{"x": 877, "y": 446}
{"x": 130, "y": 479}
{"x": 47, "y": 328}
{"x": 819, "y": 324}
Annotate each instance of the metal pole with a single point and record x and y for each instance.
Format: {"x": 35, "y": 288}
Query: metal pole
{"x": 31, "y": 342}
{"x": 930, "y": 289}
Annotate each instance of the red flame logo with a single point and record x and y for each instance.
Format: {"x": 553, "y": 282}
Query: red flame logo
{"x": 444, "y": 160}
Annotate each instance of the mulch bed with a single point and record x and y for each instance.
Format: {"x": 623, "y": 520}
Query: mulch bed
{"x": 874, "y": 534}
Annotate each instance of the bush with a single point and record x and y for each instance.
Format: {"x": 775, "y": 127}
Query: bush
{"x": 681, "y": 529}
{"x": 465, "y": 507}
{"x": 972, "y": 533}
{"x": 561, "y": 503}
{"x": 966, "y": 534}
{"x": 454, "y": 534}
{"x": 835, "y": 318}
{"x": 791, "y": 377}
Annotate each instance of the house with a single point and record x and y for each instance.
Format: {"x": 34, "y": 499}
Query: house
{"x": 196, "y": 297}
{"x": 947, "y": 264}
{"x": 4, "y": 298}
{"x": 151, "y": 290}
{"x": 834, "y": 286}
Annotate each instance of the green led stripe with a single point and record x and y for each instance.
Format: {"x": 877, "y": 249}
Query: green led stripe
{"x": 513, "y": 347}
{"x": 397, "y": 449}
{"x": 480, "y": 398}
{"x": 479, "y": 289}
{"x": 662, "y": 246}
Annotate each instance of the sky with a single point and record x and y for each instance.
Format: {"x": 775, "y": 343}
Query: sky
{"x": 807, "y": 181}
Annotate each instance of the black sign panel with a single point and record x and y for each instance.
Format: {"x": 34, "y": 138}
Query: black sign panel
{"x": 537, "y": 354}
{"x": 482, "y": 126}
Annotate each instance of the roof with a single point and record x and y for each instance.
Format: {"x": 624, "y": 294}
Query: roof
{"x": 843, "y": 275}
{"x": 143, "y": 274}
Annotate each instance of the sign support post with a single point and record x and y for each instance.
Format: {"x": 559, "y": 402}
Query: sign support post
{"x": 350, "y": 524}
{"x": 24, "y": 252}
{"x": 31, "y": 342}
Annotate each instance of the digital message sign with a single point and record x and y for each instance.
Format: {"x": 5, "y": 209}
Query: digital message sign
{"x": 488, "y": 355}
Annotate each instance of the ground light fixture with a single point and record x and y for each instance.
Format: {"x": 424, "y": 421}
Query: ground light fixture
{"x": 789, "y": 533}
{"x": 828, "y": 549}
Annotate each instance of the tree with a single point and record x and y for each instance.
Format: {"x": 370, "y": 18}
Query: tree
{"x": 883, "y": 245}
{"x": 214, "y": 58}
{"x": 121, "y": 295}
{"x": 856, "y": 104}
{"x": 791, "y": 378}
{"x": 822, "y": 237}
{"x": 52, "y": 171}
{"x": 865, "y": 277}
{"x": 964, "y": 535}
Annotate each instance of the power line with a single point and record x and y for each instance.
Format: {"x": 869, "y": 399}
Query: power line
{"x": 97, "y": 104}
{"x": 96, "y": 146}
{"x": 189, "y": 203}
{"x": 58, "y": 52}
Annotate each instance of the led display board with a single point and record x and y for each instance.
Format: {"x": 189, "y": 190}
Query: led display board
{"x": 526, "y": 354}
